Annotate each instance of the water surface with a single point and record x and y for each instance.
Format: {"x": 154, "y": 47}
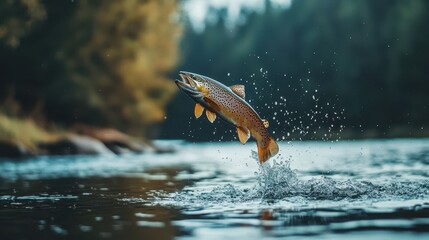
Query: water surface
{"x": 323, "y": 190}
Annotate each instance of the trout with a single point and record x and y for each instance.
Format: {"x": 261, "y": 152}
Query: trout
{"x": 229, "y": 104}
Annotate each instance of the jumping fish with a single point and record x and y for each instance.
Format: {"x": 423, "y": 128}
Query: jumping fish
{"x": 229, "y": 104}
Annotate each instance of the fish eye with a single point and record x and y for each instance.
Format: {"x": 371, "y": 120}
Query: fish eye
{"x": 194, "y": 78}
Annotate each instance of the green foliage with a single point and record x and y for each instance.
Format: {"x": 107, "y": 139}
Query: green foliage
{"x": 97, "y": 62}
{"x": 18, "y": 18}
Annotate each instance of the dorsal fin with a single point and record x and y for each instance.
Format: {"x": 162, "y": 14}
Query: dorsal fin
{"x": 243, "y": 134}
{"x": 210, "y": 116}
{"x": 198, "y": 110}
{"x": 239, "y": 90}
{"x": 266, "y": 123}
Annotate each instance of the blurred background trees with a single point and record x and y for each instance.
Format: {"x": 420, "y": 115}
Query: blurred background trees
{"x": 97, "y": 62}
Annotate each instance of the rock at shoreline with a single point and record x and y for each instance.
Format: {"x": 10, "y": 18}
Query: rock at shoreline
{"x": 115, "y": 140}
{"x": 74, "y": 145}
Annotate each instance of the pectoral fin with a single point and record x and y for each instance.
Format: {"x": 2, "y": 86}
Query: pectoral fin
{"x": 239, "y": 90}
{"x": 198, "y": 110}
{"x": 243, "y": 134}
{"x": 211, "y": 116}
{"x": 212, "y": 104}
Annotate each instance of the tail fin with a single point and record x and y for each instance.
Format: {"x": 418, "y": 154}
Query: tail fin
{"x": 267, "y": 149}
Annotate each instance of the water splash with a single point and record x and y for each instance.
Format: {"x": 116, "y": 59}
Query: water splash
{"x": 278, "y": 182}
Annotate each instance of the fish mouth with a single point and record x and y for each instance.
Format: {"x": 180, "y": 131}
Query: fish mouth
{"x": 188, "y": 85}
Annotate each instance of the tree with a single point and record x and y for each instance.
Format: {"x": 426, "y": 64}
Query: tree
{"x": 97, "y": 62}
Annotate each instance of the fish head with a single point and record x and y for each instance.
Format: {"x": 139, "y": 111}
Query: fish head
{"x": 194, "y": 85}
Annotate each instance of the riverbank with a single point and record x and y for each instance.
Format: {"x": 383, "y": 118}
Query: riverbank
{"x": 22, "y": 138}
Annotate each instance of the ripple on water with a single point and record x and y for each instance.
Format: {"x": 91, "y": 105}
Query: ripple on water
{"x": 42, "y": 197}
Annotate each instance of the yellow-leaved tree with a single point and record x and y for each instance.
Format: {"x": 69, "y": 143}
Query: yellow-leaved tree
{"x": 93, "y": 61}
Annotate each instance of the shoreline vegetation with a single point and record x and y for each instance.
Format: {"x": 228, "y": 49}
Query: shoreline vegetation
{"x": 22, "y": 138}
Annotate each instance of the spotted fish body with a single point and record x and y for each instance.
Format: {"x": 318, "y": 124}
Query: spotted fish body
{"x": 229, "y": 104}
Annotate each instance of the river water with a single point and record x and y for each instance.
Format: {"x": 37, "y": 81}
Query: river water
{"x": 376, "y": 189}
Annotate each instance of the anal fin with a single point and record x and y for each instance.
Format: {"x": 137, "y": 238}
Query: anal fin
{"x": 243, "y": 134}
{"x": 213, "y": 106}
{"x": 266, "y": 123}
{"x": 211, "y": 116}
{"x": 198, "y": 110}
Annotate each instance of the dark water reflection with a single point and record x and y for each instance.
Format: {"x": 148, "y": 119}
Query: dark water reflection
{"x": 88, "y": 208}
{"x": 368, "y": 189}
